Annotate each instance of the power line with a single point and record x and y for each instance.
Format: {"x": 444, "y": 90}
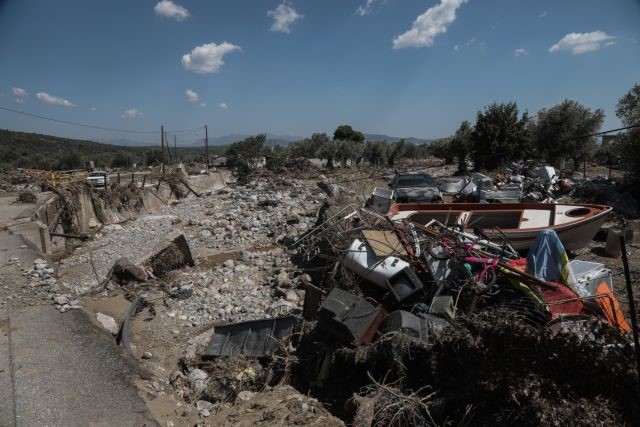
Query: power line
{"x": 78, "y": 124}
{"x": 176, "y": 132}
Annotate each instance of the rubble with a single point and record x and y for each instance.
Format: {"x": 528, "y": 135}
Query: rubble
{"x": 270, "y": 284}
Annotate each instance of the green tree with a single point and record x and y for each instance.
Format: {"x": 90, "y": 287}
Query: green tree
{"x": 500, "y": 135}
{"x": 397, "y": 151}
{"x": 70, "y": 161}
{"x": 628, "y": 111}
{"x": 308, "y": 148}
{"x": 120, "y": 160}
{"x": 461, "y": 144}
{"x": 441, "y": 148}
{"x": 346, "y": 133}
{"x": 376, "y": 152}
{"x": 244, "y": 155}
{"x": 561, "y": 130}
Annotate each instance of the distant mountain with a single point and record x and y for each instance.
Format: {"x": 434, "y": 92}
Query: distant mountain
{"x": 272, "y": 139}
{"x": 235, "y": 137}
{"x": 379, "y": 137}
{"x": 127, "y": 142}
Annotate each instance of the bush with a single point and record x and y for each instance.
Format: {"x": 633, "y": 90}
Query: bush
{"x": 27, "y": 197}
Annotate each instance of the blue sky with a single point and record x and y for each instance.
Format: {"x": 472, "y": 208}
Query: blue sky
{"x": 399, "y": 67}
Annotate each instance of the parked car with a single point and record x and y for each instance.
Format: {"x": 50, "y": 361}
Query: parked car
{"x": 98, "y": 178}
{"x": 415, "y": 187}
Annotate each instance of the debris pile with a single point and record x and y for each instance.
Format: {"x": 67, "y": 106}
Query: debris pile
{"x": 539, "y": 184}
{"x": 409, "y": 324}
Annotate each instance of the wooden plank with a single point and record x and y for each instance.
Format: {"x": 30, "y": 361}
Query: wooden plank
{"x": 384, "y": 242}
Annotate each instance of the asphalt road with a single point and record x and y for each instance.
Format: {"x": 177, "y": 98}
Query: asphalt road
{"x": 59, "y": 369}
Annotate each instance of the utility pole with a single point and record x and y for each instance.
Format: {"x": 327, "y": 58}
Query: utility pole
{"x": 175, "y": 149}
{"x": 206, "y": 145}
{"x": 162, "y": 142}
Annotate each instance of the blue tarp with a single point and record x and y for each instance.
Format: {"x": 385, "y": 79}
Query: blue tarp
{"x": 548, "y": 261}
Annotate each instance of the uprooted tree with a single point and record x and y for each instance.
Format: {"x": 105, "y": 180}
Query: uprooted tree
{"x": 562, "y": 130}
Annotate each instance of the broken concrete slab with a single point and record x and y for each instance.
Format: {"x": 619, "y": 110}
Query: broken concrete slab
{"x": 170, "y": 253}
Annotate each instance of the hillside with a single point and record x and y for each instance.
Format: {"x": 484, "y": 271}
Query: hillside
{"x": 32, "y": 150}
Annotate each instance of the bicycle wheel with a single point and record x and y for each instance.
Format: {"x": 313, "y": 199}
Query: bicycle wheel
{"x": 441, "y": 247}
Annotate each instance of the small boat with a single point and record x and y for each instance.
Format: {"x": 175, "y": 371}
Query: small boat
{"x": 575, "y": 225}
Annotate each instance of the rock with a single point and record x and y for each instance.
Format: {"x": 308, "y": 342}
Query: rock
{"x": 197, "y": 380}
{"x": 228, "y": 263}
{"x": 245, "y": 395}
{"x": 147, "y": 355}
{"x": 156, "y": 386}
{"x": 293, "y": 218}
{"x": 61, "y": 300}
{"x": 177, "y": 378}
{"x": 204, "y": 234}
{"x": 305, "y": 278}
{"x": 292, "y": 296}
{"x": 203, "y": 404}
{"x": 108, "y": 323}
{"x": 124, "y": 271}
{"x": 283, "y": 280}
{"x": 332, "y": 190}
{"x": 204, "y": 413}
{"x": 198, "y": 344}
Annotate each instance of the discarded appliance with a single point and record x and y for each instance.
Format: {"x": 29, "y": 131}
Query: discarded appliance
{"x": 419, "y": 327}
{"x": 380, "y": 200}
{"x": 548, "y": 173}
{"x": 575, "y": 224}
{"x": 256, "y": 338}
{"x": 361, "y": 259}
{"x": 589, "y": 275}
{"x": 404, "y": 284}
{"x": 349, "y": 318}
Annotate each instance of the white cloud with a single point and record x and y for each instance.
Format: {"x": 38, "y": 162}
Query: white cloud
{"x": 207, "y": 58}
{"x": 542, "y": 14}
{"x": 224, "y": 105}
{"x": 365, "y": 9}
{"x": 93, "y": 108}
{"x": 520, "y": 52}
{"x": 191, "y": 95}
{"x": 283, "y": 17}
{"x": 54, "y": 100}
{"x": 583, "y": 42}
{"x": 202, "y": 105}
{"x": 132, "y": 113}
{"x": 428, "y": 25}
{"x": 20, "y": 94}
{"x": 171, "y": 10}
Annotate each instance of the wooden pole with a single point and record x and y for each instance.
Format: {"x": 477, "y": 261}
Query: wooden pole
{"x": 175, "y": 149}
{"x": 632, "y": 307}
{"x": 162, "y": 143}
{"x": 206, "y": 145}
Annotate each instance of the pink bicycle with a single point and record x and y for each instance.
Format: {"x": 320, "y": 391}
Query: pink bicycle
{"x": 446, "y": 246}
